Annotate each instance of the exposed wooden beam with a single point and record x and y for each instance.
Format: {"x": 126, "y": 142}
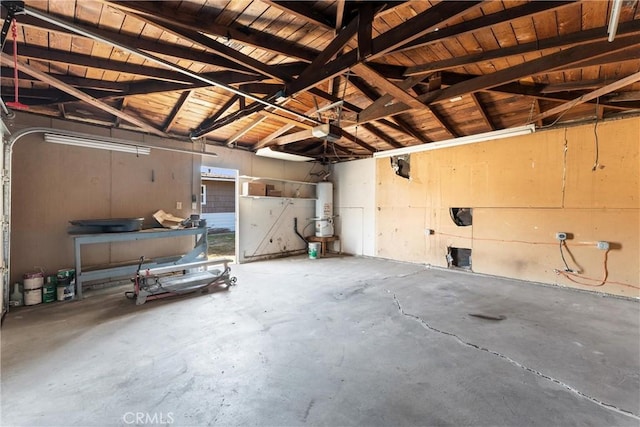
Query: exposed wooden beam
{"x": 339, "y": 14}
{"x": 304, "y": 11}
{"x": 45, "y": 78}
{"x": 121, "y": 106}
{"x": 64, "y": 57}
{"x": 484, "y": 21}
{"x": 566, "y": 40}
{"x": 383, "y": 136}
{"x": 400, "y": 124}
{"x": 163, "y": 13}
{"x": 357, "y": 141}
{"x": 365, "y": 30}
{"x": 625, "y": 96}
{"x": 555, "y": 61}
{"x": 175, "y": 111}
{"x": 570, "y": 86}
{"x": 284, "y": 119}
{"x": 292, "y": 137}
{"x": 148, "y": 45}
{"x": 219, "y": 112}
{"x": 335, "y": 46}
{"x": 442, "y": 121}
{"x": 385, "y": 85}
{"x": 589, "y": 96}
{"x": 385, "y": 100}
{"x": 483, "y": 111}
{"x": 435, "y": 16}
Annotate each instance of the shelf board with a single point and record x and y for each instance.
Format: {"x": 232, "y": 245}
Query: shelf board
{"x": 277, "y": 197}
{"x": 261, "y": 178}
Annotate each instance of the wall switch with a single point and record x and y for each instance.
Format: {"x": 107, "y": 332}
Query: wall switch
{"x": 604, "y": 246}
{"x": 562, "y": 236}
{"x": 178, "y": 205}
{"x": 194, "y": 206}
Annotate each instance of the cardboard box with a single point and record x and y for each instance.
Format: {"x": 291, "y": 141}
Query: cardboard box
{"x": 254, "y": 189}
{"x": 167, "y": 220}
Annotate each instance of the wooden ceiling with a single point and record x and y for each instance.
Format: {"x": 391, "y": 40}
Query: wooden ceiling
{"x": 255, "y": 73}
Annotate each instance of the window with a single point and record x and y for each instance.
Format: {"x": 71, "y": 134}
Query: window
{"x": 203, "y": 194}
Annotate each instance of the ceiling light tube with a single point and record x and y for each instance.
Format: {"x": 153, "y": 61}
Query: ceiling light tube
{"x": 613, "y": 19}
{"x": 281, "y": 155}
{"x": 101, "y": 145}
{"x": 470, "y": 139}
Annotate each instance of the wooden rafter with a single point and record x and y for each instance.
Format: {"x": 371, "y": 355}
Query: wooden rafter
{"x": 219, "y": 112}
{"x": 175, "y": 111}
{"x": 152, "y": 46}
{"x": 547, "y": 63}
{"x": 8, "y": 59}
{"x": 483, "y": 111}
{"x": 589, "y": 96}
{"x": 159, "y": 13}
{"x": 442, "y": 121}
{"x": 485, "y": 21}
{"x": 573, "y": 39}
{"x": 415, "y": 27}
{"x": 305, "y": 12}
{"x": 64, "y": 57}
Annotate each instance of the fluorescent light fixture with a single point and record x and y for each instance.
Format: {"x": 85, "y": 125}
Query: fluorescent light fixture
{"x": 268, "y": 152}
{"x": 471, "y": 139}
{"x": 613, "y": 19}
{"x": 96, "y": 143}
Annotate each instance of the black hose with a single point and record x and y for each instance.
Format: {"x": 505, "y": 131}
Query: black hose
{"x": 295, "y": 228}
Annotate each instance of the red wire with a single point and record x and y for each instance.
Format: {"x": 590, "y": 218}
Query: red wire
{"x": 15, "y": 59}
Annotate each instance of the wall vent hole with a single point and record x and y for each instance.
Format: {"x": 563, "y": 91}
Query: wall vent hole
{"x": 462, "y": 217}
{"x": 459, "y": 258}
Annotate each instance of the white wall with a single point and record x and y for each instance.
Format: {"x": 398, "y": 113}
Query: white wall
{"x": 355, "y": 203}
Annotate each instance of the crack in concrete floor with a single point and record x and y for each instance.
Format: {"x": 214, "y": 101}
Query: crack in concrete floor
{"x": 592, "y": 399}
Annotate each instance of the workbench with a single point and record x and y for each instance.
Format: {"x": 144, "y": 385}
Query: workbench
{"x": 199, "y": 252}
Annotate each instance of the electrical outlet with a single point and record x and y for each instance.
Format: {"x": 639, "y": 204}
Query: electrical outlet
{"x": 562, "y": 236}
{"x": 178, "y": 205}
{"x": 428, "y": 231}
{"x": 604, "y": 246}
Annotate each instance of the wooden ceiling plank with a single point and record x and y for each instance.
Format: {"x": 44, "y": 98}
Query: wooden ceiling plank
{"x": 589, "y": 96}
{"x": 358, "y": 141}
{"x": 486, "y": 21}
{"x": 219, "y": 112}
{"x": 175, "y": 111}
{"x": 292, "y": 137}
{"x": 8, "y": 59}
{"x": 152, "y": 46}
{"x": 242, "y": 132}
{"x": 383, "y": 101}
{"x": 304, "y": 11}
{"x": 334, "y": 47}
{"x": 544, "y": 64}
{"x": 483, "y": 111}
{"x": 244, "y": 35}
{"x": 381, "y": 135}
{"x": 40, "y": 54}
{"x": 401, "y": 124}
{"x": 413, "y": 28}
{"x": 625, "y": 96}
{"x": 443, "y": 122}
{"x": 385, "y": 85}
{"x": 569, "y": 40}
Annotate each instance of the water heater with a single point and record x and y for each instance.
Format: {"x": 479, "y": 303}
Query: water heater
{"x": 324, "y": 209}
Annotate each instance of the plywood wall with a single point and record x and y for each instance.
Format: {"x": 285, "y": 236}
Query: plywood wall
{"x": 523, "y": 190}
{"x": 53, "y": 184}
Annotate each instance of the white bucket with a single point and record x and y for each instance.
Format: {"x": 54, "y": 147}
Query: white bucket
{"x": 33, "y": 281}
{"x": 32, "y": 296}
{"x": 314, "y": 249}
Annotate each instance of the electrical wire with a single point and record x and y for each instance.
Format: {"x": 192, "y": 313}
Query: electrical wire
{"x": 566, "y": 266}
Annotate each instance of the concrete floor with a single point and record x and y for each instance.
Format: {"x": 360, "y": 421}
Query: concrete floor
{"x": 333, "y": 341}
